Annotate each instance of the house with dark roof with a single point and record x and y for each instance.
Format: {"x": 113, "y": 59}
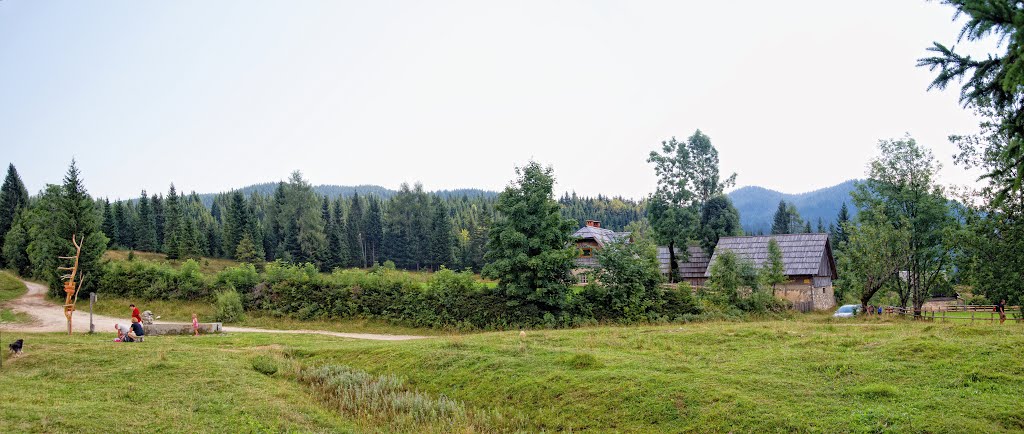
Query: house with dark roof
{"x": 807, "y": 260}
{"x": 590, "y": 238}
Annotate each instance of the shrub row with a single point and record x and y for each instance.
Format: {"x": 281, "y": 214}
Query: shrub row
{"x": 448, "y": 299}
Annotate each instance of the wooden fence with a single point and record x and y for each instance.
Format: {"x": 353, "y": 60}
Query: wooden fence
{"x": 959, "y": 313}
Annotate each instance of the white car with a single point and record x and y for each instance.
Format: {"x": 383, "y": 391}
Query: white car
{"x": 846, "y": 311}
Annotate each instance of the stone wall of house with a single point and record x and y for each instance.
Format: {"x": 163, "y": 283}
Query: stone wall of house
{"x": 805, "y": 295}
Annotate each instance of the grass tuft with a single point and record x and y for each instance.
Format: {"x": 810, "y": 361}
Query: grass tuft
{"x": 264, "y": 365}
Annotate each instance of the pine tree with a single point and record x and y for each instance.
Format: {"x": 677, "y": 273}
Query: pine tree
{"x": 840, "y": 236}
{"x": 109, "y": 222}
{"x": 374, "y": 237}
{"x": 247, "y": 251}
{"x": 173, "y": 225}
{"x": 781, "y": 223}
{"x": 236, "y": 224}
{"x": 145, "y": 231}
{"x": 442, "y": 239}
{"x": 13, "y": 198}
{"x": 529, "y": 250}
{"x": 821, "y": 226}
{"x": 158, "y": 219}
{"x": 64, "y": 212}
{"x": 355, "y": 232}
{"x": 15, "y": 247}
{"x": 807, "y": 227}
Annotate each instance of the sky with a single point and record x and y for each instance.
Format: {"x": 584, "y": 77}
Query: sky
{"x": 217, "y": 95}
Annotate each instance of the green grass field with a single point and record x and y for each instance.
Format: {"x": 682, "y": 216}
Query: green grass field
{"x": 805, "y": 374}
{"x": 10, "y": 288}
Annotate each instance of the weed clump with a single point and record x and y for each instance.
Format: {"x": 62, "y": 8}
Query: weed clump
{"x": 264, "y": 365}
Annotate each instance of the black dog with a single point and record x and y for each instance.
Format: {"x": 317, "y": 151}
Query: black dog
{"x": 16, "y": 346}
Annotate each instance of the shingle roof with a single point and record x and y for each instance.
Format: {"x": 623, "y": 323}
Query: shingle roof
{"x": 600, "y": 235}
{"x": 802, "y": 254}
{"x": 694, "y": 267}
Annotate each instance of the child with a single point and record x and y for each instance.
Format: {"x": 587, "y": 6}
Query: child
{"x": 195, "y": 325}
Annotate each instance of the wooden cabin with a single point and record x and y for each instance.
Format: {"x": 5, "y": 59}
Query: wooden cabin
{"x": 691, "y": 270}
{"x": 589, "y": 239}
{"x": 807, "y": 261}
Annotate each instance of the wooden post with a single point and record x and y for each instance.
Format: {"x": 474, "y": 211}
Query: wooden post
{"x": 972, "y": 316}
{"x": 92, "y": 299}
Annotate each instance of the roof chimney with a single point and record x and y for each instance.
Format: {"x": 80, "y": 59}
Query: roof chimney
{"x": 594, "y": 223}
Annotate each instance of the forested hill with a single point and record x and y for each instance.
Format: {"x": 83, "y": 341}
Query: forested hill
{"x": 334, "y": 191}
{"x": 757, "y": 205}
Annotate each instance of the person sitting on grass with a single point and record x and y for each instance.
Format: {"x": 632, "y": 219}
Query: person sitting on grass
{"x": 122, "y": 333}
{"x": 137, "y": 332}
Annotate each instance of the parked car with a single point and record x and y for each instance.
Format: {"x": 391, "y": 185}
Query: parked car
{"x": 847, "y": 311}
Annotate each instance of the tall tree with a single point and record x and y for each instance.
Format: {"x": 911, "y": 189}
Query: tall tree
{"x": 901, "y": 189}
{"x": 301, "y": 220}
{"x": 15, "y": 247}
{"x": 994, "y": 83}
{"x": 355, "y": 232}
{"x": 877, "y": 250}
{"x": 145, "y": 231}
{"x": 157, "y": 203}
{"x": 173, "y": 225}
{"x": 374, "y": 239}
{"x": 13, "y": 198}
{"x": 719, "y": 218}
{"x": 64, "y": 212}
{"x": 781, "y": 222}
{"x": 442, "y": 238}
{"x": 529, "y": 251}
{"x": 125, "y": 234}
{"x": 688, "y": 177}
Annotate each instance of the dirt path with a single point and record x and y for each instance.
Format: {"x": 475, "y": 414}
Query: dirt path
{"x": 49, "y": 317}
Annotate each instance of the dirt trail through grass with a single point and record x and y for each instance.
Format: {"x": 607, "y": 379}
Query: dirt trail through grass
{"x": 49, "y": 317}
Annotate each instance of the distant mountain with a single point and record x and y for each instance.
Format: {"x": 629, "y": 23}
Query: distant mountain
{"x": 757, "y": 205}
{"x": 333, "y": 191}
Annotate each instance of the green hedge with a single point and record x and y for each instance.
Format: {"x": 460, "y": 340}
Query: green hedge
{"x": 448, "y": 299}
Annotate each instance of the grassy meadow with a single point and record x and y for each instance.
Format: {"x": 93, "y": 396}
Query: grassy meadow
{"x": 808, "y": 374}
{"x": 10, "y": 288}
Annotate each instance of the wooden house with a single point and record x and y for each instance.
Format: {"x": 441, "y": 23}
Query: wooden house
{"x": 807, "y": 261}
{"x": 589, "y": 239}
{"x": 691, "y": 270}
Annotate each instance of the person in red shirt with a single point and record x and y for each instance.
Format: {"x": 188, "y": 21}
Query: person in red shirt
{"x": 136, "y": 316}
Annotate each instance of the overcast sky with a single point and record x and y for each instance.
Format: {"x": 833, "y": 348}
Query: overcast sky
{"x": 213, "y": 95}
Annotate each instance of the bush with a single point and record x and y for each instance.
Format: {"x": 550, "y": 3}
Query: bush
{"x": 264, "y": 365}
{"x": 229, "y": 306}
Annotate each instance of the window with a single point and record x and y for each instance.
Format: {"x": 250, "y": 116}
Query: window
{"x": 583, "y": 278}
{"x": 586, "y": 252}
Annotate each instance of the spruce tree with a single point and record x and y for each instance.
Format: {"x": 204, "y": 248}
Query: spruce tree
{"x": 123, "y": 221}
{"x": 374, "y": 238}
{"x": 248, "y": 252}
{"x": 158, "y": 219}
{"x": 15, "y": 247}
{"x": 355, "y": 232}
{"x": 145, "y": 232}
{"x": 109, "y": 222}
{"x": 530, "y": 251}
{"x": 64, "y": 212}
{"x": 236, "y": 224}
{"x": 442, "y": 239}
{"x": 780, "y": 224}
{"x": 13, "y": 198}
{"x": 173, "y": 224}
